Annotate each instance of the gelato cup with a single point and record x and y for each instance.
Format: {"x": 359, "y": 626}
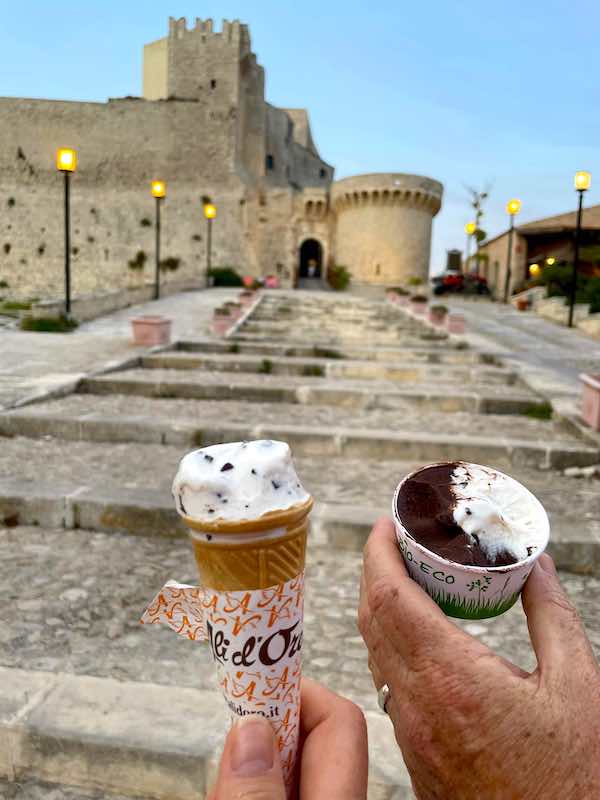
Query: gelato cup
{"x": 469, "y": 535}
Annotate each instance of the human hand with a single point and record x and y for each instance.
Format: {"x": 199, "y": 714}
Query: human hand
{"x": 470, "y": 724}
{"x": 332, "y": 755}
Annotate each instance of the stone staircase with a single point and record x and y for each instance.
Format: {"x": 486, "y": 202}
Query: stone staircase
{"x": 88, "y": 698}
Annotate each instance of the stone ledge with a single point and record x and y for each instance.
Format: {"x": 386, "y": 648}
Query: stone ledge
{"x": 145, "y": 512}
{"x": 365, "y": 443}
{"x": 136, "y": 739}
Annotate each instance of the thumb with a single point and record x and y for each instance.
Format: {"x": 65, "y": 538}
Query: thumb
{"x": 556, "y": 631}
{"x": 250, "y": 765}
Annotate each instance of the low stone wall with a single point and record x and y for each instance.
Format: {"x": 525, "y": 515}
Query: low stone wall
{"x": 90, "y": 306}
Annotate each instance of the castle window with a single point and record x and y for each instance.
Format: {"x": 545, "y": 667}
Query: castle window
{"x": 213, "y": 84}
{"x": 322, "y": 173}
{"x": 270, "y": 161}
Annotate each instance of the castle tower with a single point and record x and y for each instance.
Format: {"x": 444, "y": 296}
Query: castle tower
{"x": 218, "y": 70}
{"x": 383, "y": 225}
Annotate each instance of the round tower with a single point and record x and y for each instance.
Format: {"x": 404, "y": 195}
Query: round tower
{"x": 383, "y": 225}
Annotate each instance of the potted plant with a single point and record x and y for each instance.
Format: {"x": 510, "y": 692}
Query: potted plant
{"x": 418, "y": 303}
{"x": 246, "y": 297}
{"x": 222, "y": 321}
{"x": 522, "y": 304}
{"x": 151, "y": 330}
{"x": 590, "y": 410}
{"x": 437, "y": 314}
{"x": 235, "y": 309}
{"x": 455, "y": 323}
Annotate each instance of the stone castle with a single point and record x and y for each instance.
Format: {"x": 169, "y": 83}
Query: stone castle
{"x": 204, "y": 127}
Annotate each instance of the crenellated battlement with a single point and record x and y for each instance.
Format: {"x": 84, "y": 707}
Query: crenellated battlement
{"x": 232, "y": 32}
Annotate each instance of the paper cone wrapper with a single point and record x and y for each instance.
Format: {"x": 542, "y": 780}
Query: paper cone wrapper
{"x": 250, "y": 610}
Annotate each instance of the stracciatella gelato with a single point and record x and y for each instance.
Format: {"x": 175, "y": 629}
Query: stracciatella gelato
{"x": 237, "y": 481}
{"x": 472, "y": 514}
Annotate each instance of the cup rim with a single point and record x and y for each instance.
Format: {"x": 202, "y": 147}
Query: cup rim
{"x": 472, "y": 567}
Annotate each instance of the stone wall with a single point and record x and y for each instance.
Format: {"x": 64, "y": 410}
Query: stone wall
{"x": 383, "y": 226}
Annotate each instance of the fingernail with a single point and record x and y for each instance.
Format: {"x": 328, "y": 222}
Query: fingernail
{"x": 252, "y": 748}
{"x": 547, "y": 564}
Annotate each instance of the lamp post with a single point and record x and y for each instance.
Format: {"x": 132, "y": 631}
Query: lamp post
{"x": 66, "y": 162}
{"x": 159, "y": 192}
{"x": 583, "y": 181}
{"x": 210, "y": 212}
{"x": 512, "y": 209}
{"x": 470, "y": 229}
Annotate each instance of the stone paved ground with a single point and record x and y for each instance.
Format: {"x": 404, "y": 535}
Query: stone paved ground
{"x": 75, "y": 595}
{"x": 35, "y": 362}
{"x": 78, "y": 596}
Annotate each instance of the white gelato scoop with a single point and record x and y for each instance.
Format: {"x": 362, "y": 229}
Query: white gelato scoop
{"x": 497, "y": 512}
{"x": 237, "y": 481}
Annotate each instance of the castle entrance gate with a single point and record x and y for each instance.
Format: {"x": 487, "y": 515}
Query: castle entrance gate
{"x": 311, "y": 259}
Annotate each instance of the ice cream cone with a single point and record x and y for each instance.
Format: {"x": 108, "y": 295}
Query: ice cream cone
{"x": 251, "y": 554}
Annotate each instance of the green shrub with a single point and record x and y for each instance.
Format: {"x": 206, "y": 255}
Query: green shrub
{"x": 324, "y": 352}
{"x": 313, "y": 370}
{"x": 418, "y": 298}
{"x": 414, "y": 281}
{"x": 338, "y": 278}
{"x": 539, "y": 411}
{"x": 398, "y": 290}
{"x": 139, "y": 261}
{"x": 225, "y": 276}
{"x": 439, "y": 309}
{"x": 15, "y": 305}
{"x": 266, "y": 366}
{"x": 170, "y": 263}
{"x": 61, "y": 324}
{"x": 4, "y": 285}
{"x": 145, "y": 222}
{"x": 234, "y": 348}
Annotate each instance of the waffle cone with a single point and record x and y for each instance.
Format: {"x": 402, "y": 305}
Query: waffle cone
{"x": 256, "y": 564}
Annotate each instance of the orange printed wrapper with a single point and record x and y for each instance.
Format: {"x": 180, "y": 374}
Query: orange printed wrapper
{"x": 255, "y": 637}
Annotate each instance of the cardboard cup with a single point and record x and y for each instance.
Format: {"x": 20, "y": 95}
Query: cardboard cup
{"x": 461, "y": 590}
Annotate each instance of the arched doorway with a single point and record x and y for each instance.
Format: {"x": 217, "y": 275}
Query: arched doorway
{"x": 311, "y": 259}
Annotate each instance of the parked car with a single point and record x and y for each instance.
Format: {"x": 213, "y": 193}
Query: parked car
{"x": 452, "y": 281}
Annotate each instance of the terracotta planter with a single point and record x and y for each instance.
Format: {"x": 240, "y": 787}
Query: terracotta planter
{"x": 522, "y": 305}
{"x": 221, "y": 324}
{"x": 591, "y": 400}
{"x": 418, "y": 308}
{"x": 149, "y": 331}
{"x": 246, "y": 298}
{"x": 437, "y": 317}
{"x": 403, "y": 300}
{"x": 455, "y": 323}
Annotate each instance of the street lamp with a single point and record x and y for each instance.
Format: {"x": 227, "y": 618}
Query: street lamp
{"x": 534, "y": 270}
{"x": 550, "y": 261}
{"x": 210, "y": 212}
{"x": 159, "y": 192}
{"x": 66, "y": 162}
{"x": 583, "y": 181}
{"x": 470, "y": 229}
{"x": 512, "y": 209}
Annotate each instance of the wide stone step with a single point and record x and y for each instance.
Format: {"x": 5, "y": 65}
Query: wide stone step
{"x": 402, "y": 372}
{"x": 89, "y": 697}
{"x": 447, "y": 397}
{"x": 441, "y": 353}
{"x": 335, "y": 339}
{"x": 575, "y": 540}
{"x": 311, "y": 440}
{"x": 169, "y": 420}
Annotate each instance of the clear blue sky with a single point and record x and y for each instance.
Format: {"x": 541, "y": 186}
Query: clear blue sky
{"x": 500, "y": 93}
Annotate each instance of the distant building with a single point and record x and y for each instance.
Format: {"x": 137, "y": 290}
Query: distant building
{"x": 536, "y": 242}
{"x": 204, "y": 127}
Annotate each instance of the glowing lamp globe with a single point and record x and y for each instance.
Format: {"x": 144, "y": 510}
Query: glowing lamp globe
{"x": 210, "y": 211}
{"x": 158, "y": 189}
{"x": 513, "y": 207}
{"x": 583, "y": 181}
{"x": 66, "y": 159}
